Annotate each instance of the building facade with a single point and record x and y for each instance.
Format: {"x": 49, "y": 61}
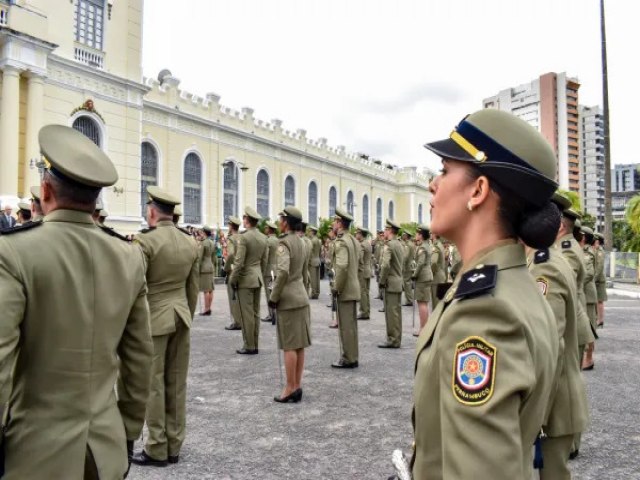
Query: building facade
{"x": 592, "y": 184}
{"x": 78, "y": 63}
{"x": 625, "y": 184}
{"x": 550, "y": 104}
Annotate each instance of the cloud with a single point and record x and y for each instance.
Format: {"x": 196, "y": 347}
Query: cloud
{"x": 407, "y": 99}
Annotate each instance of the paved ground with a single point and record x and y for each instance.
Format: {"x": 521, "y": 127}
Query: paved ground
{"x": 349, "y": 422}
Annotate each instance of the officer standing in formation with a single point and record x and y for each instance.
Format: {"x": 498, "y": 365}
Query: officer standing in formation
{"x": 423, "y": 275}
{"x": 173, "y": 281}
{"x": 206, "y": 253}
{"x": 270, "y": 230}
{"x": 232, "y": 239}
{"x": 36, "y": 206}
{"x": 64, "y": 347}
{"x": 364, "y": 273}
{"x": 314, "y": 262}
{"x": 438, "y": 267}
{"x": 407, "y": 268}
{"x": 590, "y": 292}
{"x": 378, "y": 248}
{"x": 486, "y": 360}
{"x": 391, "y": 281}
{"x": 246, "y": 279}
{"x": 346, "y": 289}
{"x": 601, "y": 279}
{"x": 302, "y": 233}
{"x": 24, "y": 213}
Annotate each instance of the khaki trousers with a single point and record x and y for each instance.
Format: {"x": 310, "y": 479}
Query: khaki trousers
{"x": 314, "y": 276}
{"x": 393, "y": 317}
{"x": 348, "y": 330}
{"x": 555, "y": 454}
{"x": 365, "y": 302}
{"x": 233, "y": 306}
{"x": 249, "y": 308}
{"x": 166, "y": 408}
{"x": 408, "y": 291}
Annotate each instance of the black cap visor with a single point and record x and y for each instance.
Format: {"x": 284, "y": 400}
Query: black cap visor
{"x": 447, "y": 148}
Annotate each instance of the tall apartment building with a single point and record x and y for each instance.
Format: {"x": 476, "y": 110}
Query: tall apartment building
{"x": 625, "y": 184}
{"x": 592, "y": 162}
{"x": 550, "y": 104}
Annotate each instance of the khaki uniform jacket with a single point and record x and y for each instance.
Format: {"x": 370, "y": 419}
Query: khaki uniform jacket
{"x": 392, "y": 266}
{"x": 366, "y": 258}
{"x": 329, "y": 257}
{"x": 573, "y": 254}
{"x": 438, "y": 266}
{"x": 456, "y": 262}
{"x": 590, "y": 292}
{"x": 484, "y": 371}
{"x": 378, "y": 248}
{"x": 232, "y": 246}
{"x": 601, "y": 279}
{"x": 409, "y": 257}
{"x": 288, "y": 290}
{"x": 423, "y": 273}
{"x": 172, "y": 276}
{"x": 568, "y": 408}
{"x": 272, "y": 256}
{"x": 316, "y": 246}
{"x": 206, "y": 252}
{"x": 250, "y": 259}
{"x": 74, "y": 318}
{"x": 345, "y": 263}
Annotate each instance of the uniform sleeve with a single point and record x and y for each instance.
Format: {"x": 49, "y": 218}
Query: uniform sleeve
{"x": 231, "y": 251}
{"x": 341, "y": 265}
{"x": 238, "y": 260}
{"x": 264, "y": 261}
{"x": 421, "y": 258}
{"x": 486, "y": 433}
{"x": 135, "y": 351}
{"x": 13, "y": 301}
{"x": 589, "y": 270}
{"x": 385, "y": 264}
{"x": 192, "y": 287}
{"x": 283, "y": 259}
{"x": 435, "y": 259}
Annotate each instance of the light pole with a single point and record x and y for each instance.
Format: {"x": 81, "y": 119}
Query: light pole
{"x": 608, "y": 224}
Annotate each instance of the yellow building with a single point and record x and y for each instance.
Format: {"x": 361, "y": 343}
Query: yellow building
{"x": 78, "y": 63}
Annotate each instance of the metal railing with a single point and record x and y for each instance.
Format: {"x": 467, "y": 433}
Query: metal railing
{"x": 623, "y": 267}
{"x": 89, "y": 56}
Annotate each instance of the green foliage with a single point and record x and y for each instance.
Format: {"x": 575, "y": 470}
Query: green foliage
{"x": 324, "y": 225}
{"x": 588, "y": 220}
{"x": 574, "y": 197}
{"x": 630, "y": 231}
{"x": 410, "y": 227}
{"x": 622, "y": 234}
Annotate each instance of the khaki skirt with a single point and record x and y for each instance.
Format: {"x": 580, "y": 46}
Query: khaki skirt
{"x": 294, "y": 328}
{"x": 601, "y": 288}
{"x": 206, "y": 282}
{"x": 423, "y": 292}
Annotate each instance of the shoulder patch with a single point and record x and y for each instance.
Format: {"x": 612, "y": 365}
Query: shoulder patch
{"x": 474, "y": 368}
{"x": 281, "y": 249}
{"x": 541, "y": 256}
{"x": 566, "y": 244}
{"x": 184, "y": 230}
{"x": 113, "y": 233}
{"x": 477, "y": 281}
{"x": 543, "y": 285}
{"x": 147, "y": 230}
{"x": 21, "y": 228}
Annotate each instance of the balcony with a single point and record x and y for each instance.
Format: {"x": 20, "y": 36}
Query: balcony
{"x": 4, "y": 15}
{"x": 89, "y": 56}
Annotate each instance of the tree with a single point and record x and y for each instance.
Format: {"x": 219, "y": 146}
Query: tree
{"x": 632, "y": 213}
{"x": 573, "y": 197}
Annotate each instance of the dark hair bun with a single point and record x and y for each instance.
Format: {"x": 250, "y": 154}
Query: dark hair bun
{"x": 538, "y": 228}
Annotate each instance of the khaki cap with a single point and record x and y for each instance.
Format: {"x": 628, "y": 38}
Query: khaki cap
{"x": 392, "y": 224}
{"x": 251, "y": 213}
{"x": 35, "y": 192}
{"x": 207, "y": 228}
{"x": 292, "y": 212}
{"x": 407, "y": 233}
{"x": 363, "y": 231}
{"x": 271, "y": 225}
{"x": 344, "y": 215}
{"x": 24, "y": 206}
{"x": 571, "y": 213}
{"x": 424, "y": 228}
{"x": 313, "y": 228}
{"x": 587, "y": 230}
{"x": 72, "y": 156}
{"x": 506, "y": 149}
{"x": 561, "y": 201}
{"x": 103, "y": 213}
{"x": 577, "y": 224}
{"x": 235, "y": 220}
{"x": 177, "y": 211}
{"x": 158, "y": 195}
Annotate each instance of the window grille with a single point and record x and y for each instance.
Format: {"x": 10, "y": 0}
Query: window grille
{"x": 313, "y": 203}
{"x": 192, "y": 190}
{"x": 148, "y": 174}
{"x": 289, "y": 191}
{"x": 230, "y": 191}
{"x": 88, "y": 27}
{"x": 262, "y": 197}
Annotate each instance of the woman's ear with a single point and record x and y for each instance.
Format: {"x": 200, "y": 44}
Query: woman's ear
{"x": 481, "y": 190}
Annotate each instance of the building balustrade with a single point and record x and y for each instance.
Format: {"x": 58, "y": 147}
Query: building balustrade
{"x": 89, "y": 56}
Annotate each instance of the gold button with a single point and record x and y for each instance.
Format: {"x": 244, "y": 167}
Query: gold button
{"x": 480, "y": 266}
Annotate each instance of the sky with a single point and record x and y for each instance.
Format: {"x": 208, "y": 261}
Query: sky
{"x": 383, "y": 77}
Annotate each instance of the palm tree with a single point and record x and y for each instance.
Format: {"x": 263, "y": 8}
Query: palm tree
{"x": 633, "y": 214}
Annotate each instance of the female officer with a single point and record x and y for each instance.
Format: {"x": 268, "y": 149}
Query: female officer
{"x": 290, "y": 300}
{"x": 206, "y": 251}
{"x": 486, "y": 359}
{"x": 423, "y": 276}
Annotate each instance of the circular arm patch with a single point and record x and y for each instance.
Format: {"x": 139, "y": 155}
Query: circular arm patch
{"x": 474, "y": 367}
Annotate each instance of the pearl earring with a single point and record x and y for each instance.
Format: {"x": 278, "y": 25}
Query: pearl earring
{"x": 469, "y": 206}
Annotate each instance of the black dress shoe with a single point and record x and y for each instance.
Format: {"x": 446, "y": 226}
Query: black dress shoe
{"x": 144, "y": 460}
{"x": 314, "y": 297}
{"x": 381, "y": 310}
{"x": 363, "y": 317}
{"x": 293, "y": 397}
{"x": 173, "y": 458}
{"x": 343, "y": 364}
{"x": 574, "y": 454}
{"x": 387, "y": 345}
{"x": 590, "y": 367}
{"x": 333, "y": 325}
{"x": 407, "y": 304}
{"x": 247, "y": 351}
{"x": 233, "y": 327}
{"x": 205, "y": 314}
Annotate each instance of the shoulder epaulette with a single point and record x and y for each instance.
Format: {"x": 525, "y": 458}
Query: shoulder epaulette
{"x": 20, "y": 228}
{"x": 541, "y": 256}
{"x": 566, "y": 244}
{"x": 113, "y": 233}
{"x": 184, "y": 230}
{"x": 147, "y": 230}
{"x": 477, "y": 281}
{"x": 282, "y": 235}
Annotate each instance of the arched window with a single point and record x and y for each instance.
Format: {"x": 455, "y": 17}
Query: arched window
{"x": 262, "y": 195}
{"x": 420, "y": 213}
{"x": 192, "y": 190}
{"x": 289, "y": 191}
{"x": 148, "y": 174}
{"x": 230, "y": 191}
{"x": 89, "y": 128}
{"x": 333, "y": 201}
{"x": 365, "y": 211}
{"x": 313, "y": 204}
{"x": 379, "y": 214}
{"x": 350, "y": 203}
{"x": 391, "y": 212}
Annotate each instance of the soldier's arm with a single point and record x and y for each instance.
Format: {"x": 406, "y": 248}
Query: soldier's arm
{"x": 283, "y": 258}
{"x": 193, "y": 286}
{"x": 435, "y": 259}
{"x": 264, "y": 261}
{"x": 384, "y": 268}
{"x": 238, "y": 260}
{"x": 420, "y": 263}
{"x": 231, "y": 250}
{"x": 13, "y": 304}
{"x": 135, "y": 351}
{"x": 589, "y": 268}
{"x": 341, "y": 265}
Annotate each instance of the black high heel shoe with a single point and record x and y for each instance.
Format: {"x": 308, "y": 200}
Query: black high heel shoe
{"x": 293, "y": 397}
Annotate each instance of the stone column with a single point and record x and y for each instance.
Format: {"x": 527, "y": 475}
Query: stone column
{"x": 9, "y": 130}
{"x": 35, "y": 96}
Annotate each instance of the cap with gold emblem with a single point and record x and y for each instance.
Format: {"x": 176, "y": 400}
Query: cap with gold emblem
{"x": 69, "y": 155}
{"x": 390, "y": 223}
{"x": 24, "y": 206}
{"x": 158, "y": 195}
{"x": 251, "y": 213}
{"x": 177, "y": 211}
{"x": 292, "y": 212}
{"x": 235, "y": 221}
{"x": 343, "y": 215}
{"x": 507, "y": 150}
{"x": 271, "y": 225}
{"x": 35, "y": 192}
